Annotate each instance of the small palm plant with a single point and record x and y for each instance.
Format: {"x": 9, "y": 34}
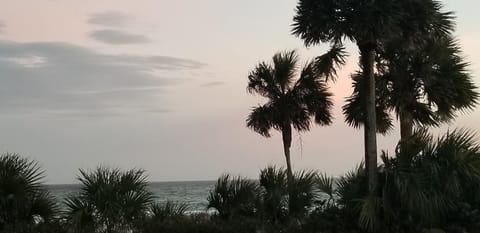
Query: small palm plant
{"x": 302, "y": 194}
{"x": 233, "y": 197}
{"x": 274, "y": 194}
{"x": 167, "y": 210}
{"x": 110, "y": 200}
{"x": 281, "y": 203}
{"x": 292, "y": 103}
{"x": 25, "y": 204}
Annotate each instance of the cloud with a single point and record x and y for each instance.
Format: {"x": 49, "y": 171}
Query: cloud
{"x": 68, "y": 80}
{"x": 213, "y": 84}
{"x": 2, "y": 26}
{"x": 109, "y": 19}
{"x": 110, "y": 36}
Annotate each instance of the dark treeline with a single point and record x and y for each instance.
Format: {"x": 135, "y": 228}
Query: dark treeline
{"x": 410, "y": 69}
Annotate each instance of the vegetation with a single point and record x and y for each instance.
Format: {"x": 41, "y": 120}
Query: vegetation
{"x": 25, "y": 205}
{"x": 369, "y": 24}
{"x": 291, "y": 103}
{"x": 109, "y": 201}
{"x": 424, "y": 87}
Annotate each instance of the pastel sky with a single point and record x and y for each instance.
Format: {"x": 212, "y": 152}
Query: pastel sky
{"x": 160, "y": 85}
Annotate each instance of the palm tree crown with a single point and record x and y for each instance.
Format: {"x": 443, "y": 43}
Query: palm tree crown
{"x": 422, "y": 86}
{"x": 368, "y": 22}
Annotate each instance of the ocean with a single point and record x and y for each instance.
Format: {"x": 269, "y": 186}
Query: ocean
{"x": 193, "y": 193}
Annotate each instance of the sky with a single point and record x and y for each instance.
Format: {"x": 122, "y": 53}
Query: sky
{"x": 161, "y": 85}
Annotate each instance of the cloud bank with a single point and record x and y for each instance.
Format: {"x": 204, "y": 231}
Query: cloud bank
{"x": 70, "y": 80}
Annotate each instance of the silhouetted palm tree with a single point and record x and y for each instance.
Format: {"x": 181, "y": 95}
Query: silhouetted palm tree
{"x": 368, "y": 23}
{"x": 25, "y": 204}
{"x": 422, "y": 86}
{"x": 110, "y": 200}
{"x": 292, "y": 103}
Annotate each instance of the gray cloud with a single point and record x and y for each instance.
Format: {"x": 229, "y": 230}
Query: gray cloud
{"x": 213, "y": 84}
{"x": 109, "y": 19}
{"x": 65, "y": 79}
{"x": 110, "y": 36}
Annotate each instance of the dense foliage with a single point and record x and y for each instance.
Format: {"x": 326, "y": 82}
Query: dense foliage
{"x": 25, "y": 205}
{"x": 110, "y": 200}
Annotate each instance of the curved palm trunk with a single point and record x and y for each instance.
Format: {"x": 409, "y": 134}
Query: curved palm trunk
{"x": 287, "y": 142}
{"x": 368, "y": 61}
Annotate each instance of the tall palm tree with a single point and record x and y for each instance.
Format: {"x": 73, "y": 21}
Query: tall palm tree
{"x": 423, "y": 87}
{"x": 110, "y": 200}
{"x": 369, "y": 24}
{"x": 23, "y": 198}
{"x": 292, "y": 103}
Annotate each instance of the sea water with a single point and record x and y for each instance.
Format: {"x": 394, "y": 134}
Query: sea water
{"x": 193, "y": 193}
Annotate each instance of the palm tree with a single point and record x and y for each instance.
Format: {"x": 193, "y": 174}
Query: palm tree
{"x": 281, "y": 204}
{"x": 233, "y": 197}
{"x": 423, "y": 87}
{"x": 428, "y": 180}
{"x": 292, "y": 103}
{"x": 110, "y": 200}
{"x": 23, "y": 198}
{"x": 369, "y": 24}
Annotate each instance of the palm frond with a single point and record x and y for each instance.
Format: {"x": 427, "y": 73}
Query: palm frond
{"x": 369, "y": 209}
{"x": 312, "y": 99}
{"x": 284, "y": 69}
{"x": 328, "y": 63}
{"x": 168, "y": 210}
{"x": 262, "y": 119}
{"x": 262, "y": 81}
{"x": 355, "y": 111}
{"x": 325, "y": 184}
{"x": 302, "y": 193}
{"x": 274, "y": 193}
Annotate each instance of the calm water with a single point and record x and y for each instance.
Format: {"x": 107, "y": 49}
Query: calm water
{"x": 194, "y": 193}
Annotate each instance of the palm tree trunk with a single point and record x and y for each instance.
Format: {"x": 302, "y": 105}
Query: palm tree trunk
{"x": 368, "y": 61}
{"x": 406, "y": 126}
{"x": 287, "y": 142}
